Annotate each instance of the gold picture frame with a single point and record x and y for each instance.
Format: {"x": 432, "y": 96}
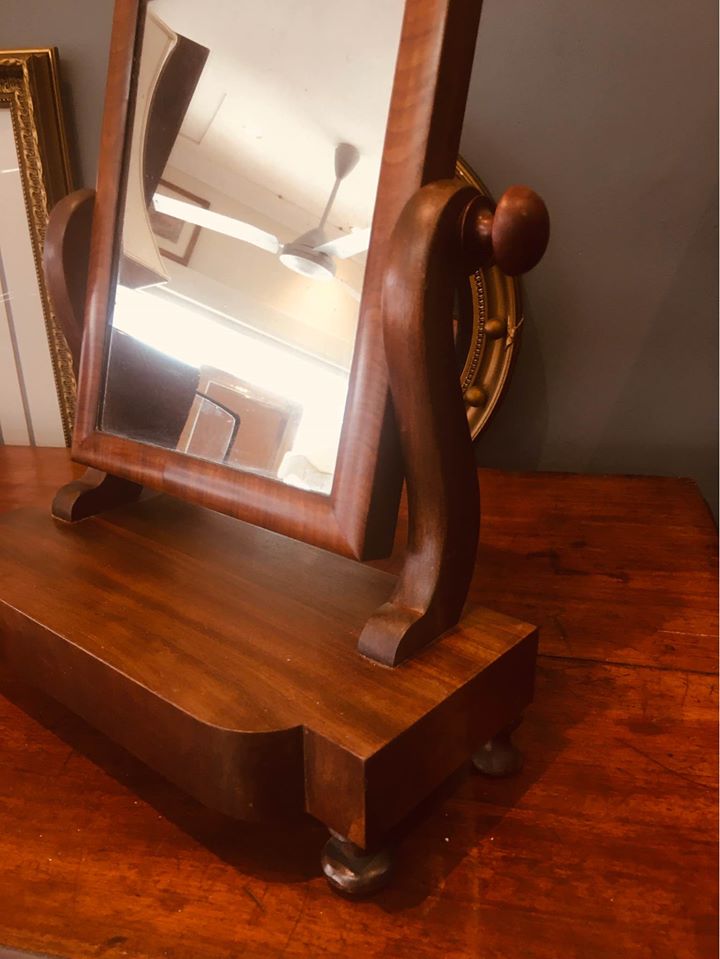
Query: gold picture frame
{"x": 491, "y": 313}
{"x": 30, "y": 90}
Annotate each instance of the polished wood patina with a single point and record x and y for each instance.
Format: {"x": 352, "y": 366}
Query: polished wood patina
{"x": 605, "y": 844}
{"x": 247, "y": 666}
{"x": 225, "y": 656}
{"x": 421, "y": 145}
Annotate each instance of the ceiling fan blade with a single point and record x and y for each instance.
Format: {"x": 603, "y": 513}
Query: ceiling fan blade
{"x": 346, "y": 246}
{"x": 210, "y": 220}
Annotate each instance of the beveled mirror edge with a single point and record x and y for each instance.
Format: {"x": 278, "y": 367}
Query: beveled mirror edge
{"x": 421, "y": 144}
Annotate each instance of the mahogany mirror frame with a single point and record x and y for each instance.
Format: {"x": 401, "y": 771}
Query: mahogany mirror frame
{"x": 422, "y": 140}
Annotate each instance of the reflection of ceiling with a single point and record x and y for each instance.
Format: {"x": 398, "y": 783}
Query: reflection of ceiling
{"x": 248, "y": 284}
{"x": 286, "y": 80}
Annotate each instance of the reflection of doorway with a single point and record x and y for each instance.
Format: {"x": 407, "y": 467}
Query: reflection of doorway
{"x": 235, "y": 422}
{"x": 278, "y": 374}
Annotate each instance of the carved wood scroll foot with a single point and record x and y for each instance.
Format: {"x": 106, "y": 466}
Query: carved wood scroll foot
{"x": 446, "y": 231}
{"x": 93, "y": 493}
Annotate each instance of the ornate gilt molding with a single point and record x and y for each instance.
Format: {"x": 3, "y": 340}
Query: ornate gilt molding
{"x": 29, "y": 89}
{"x": 492, "y": 348}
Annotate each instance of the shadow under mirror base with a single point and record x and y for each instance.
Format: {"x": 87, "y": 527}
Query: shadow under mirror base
{"x": 224, "y": 656}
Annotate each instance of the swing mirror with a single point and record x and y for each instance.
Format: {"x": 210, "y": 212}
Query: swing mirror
{"x": 255, "y": 161}
{"x": 244, "y": 233}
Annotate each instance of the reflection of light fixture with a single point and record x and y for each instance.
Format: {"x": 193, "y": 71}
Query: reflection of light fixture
{"x": 302, "y": 257}
{"x": 311, "y": 254}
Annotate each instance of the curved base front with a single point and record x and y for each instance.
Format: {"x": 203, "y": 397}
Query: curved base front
{"x": 224, "y": 656}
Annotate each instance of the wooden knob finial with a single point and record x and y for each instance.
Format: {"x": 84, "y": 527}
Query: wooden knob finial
{"x": 514, "y": 236}
{"x": 520, "y": 230}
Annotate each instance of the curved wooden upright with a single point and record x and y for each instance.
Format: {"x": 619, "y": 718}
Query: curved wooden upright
{"x": 445, "y": 231}
{"x": 65, "y": 262}
{"x": 443, "y": 500}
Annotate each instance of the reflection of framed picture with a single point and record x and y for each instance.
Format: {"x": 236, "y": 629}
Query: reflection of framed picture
{"x": 176, "y": 238}
{"x": 37, "y": 386}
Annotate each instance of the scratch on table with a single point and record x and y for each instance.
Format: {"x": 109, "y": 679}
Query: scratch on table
{"x": 669, "y": 769}
{"x": 299, "y": 916}
{"x": 687, "y": 688}
{"x": 70, "y": 754}
{"x": 251, "y": 894}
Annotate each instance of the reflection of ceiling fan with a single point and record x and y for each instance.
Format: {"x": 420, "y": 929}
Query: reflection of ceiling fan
{"x": 311, "y": 254}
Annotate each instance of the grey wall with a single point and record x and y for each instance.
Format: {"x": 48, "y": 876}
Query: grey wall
{"x": 80, "y": 29}
{"x": 608, "y": 109}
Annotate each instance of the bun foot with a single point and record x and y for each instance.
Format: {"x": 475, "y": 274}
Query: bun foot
{"x": 353, "y": 872}
{"x": 499, "y": 756}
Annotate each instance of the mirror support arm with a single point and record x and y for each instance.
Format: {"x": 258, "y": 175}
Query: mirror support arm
{"x": 66, "y": 254}
{"x": 442, "y": 489}
{"x": 446, "y": 231}
{"x": 65, "y": 262}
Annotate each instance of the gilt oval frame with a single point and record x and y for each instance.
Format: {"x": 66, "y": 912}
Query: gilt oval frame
{"x": 489, "y": 359}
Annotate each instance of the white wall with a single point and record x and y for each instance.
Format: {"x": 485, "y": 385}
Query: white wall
{"x": 29, "y": 408}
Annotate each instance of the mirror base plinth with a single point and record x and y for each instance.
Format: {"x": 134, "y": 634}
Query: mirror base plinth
{"x": 224, "y": 656}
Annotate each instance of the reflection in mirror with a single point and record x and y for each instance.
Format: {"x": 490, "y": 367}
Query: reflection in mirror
{"x": 253, "y": 167}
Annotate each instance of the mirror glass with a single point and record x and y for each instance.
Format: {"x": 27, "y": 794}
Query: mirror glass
{"x": 257, "y": 139}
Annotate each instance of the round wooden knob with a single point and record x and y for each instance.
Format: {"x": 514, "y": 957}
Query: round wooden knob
{"x": 520, "y": 230}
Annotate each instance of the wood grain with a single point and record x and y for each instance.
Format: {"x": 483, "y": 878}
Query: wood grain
{"x": 612, "y": 569}
{"x": 604, "y": 846}
{"x": 438, "y": 239}
{"x": 205, "y": 646}
{"x": 65, "y": 263}
{"x": 443, "y": 501}
{"x": 94, "y": 492}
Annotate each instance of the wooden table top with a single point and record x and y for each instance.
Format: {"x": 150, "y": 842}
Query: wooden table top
{"x": 604, "y": 846}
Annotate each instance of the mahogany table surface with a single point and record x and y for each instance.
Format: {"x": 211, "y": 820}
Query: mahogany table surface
{"x": 605, "y": 845}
